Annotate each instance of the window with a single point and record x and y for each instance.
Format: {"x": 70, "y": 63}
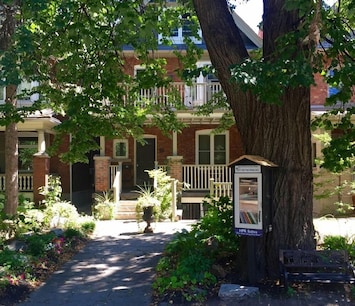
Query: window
{"x": 212, "y": 148}
{"x": 120, "y": 148}
{"x": 144, "y": 93}
{"x": 22, "y": 92}
{"x": 178, "y": 34}
{"x": 26, "y": 148}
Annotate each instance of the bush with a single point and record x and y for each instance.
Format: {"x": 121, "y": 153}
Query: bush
{"x": 60, "y": 214}
{"x": 340, "y": 243}
{"x": 104, "y": 207}
{"x": 186, "y": 266}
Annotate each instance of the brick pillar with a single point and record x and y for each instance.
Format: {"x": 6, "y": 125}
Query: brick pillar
{"x": 175, "y": 167}
{"x": 102, "y": 173}
{"x": 41, "y": 163}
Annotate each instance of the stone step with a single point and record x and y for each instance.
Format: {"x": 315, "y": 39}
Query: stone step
{"x": 126, "y": 210}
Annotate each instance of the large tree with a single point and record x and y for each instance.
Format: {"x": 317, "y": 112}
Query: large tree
{"x": 8, "y": 23}
{"x": 270, "y": 99}
{"x": 79, "y": 51}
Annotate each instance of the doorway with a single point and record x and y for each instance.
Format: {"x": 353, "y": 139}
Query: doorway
{"x": 145, "y": 160}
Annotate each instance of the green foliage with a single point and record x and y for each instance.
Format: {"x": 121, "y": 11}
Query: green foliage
{"x": 70, "y": 233}
{"x": 159, "y": 197}
{"x": 338, "y": 152}
{"x": 60, "y": 214}
{"x": 340, "y": 243}
{"x": 87, "y": 226}
{"x": 146, "y": 198}
{"x": 335, "y": 184}
{"x": 163, "y": 192}
{"x": 185, "y": 268}
{"x": 104, "y": 207}
{"x": 37, "y": 245}
{"x": 61, "y": 43}
{"x": 52, "y": 192}
{"x": 12, "y": 261}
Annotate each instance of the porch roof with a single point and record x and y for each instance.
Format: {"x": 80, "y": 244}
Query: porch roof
{"x": 191, "y": 117}
{"x": 43, "y": 120}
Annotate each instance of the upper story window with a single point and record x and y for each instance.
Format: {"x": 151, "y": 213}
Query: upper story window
{"x": 22, "y": 92}
{"x": 212, "y": 149}
{"x": 178, "y": 34}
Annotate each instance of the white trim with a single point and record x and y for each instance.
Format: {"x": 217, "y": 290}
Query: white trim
{"x": 179, "y": 38}
{"x": 209, "y": 132}
{"x": 115, "y": 142}
{"x": 248, "y": 31}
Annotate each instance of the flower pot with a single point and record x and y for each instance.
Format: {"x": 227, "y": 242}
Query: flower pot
{"x": 148, "y": 217}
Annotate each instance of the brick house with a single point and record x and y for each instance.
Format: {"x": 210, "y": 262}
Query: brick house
{"x": 194, "y": 156}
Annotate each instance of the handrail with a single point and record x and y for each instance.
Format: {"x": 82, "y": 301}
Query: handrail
{"x": 198, "y": 176}
{"x": 25, "y": 182}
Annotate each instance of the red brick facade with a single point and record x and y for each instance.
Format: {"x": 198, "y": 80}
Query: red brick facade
{"x": 41, "y": 164}
{"x": 102, "y": 167}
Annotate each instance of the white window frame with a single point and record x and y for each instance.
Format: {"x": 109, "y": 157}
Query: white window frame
{"x": 117, "y": 141}
{"x": 29, "y": 99}
{"x": 23, "y": 136}
{"x": 209, "y": 132}
{"x": 179, "y": 38}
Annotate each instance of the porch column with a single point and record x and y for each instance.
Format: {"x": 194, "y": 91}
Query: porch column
{"x": 102, "y": 145}
{"x": 174, "y": 143}
{"x": 102, "y": 173}
{"x": 41, "y": 142}
{"x": 41, "y": 163}
{"x": 175, "y": 167}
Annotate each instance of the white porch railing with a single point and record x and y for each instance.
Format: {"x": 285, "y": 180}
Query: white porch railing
{"x": 221, "y": 189}
{"x": 198, "y": 176}
{"x": 191, "y": 96}
{"x": 25, "y": 182}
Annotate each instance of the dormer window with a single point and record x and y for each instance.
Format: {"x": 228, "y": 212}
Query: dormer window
{"x": 178, "y": 34}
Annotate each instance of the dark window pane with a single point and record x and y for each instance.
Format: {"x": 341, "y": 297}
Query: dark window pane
{"x": 204, "y": 142}
{"x": 204, "y": 158}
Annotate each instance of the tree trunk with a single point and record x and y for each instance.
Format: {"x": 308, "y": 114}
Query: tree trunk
{"x": 8, "y": 22}
{"x": 11, "y": 158}
{"x": 280, "y": 133}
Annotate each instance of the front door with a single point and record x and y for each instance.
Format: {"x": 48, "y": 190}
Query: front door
{"x": 145, "y": 158}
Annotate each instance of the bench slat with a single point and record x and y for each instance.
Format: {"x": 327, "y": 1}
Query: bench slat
{"x": 324, "y": 266}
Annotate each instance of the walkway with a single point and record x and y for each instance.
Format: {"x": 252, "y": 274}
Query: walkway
{"x": 116, "y": 267}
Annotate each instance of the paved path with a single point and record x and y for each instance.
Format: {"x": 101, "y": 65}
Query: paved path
{"x": 115, "y": 268}
{"x": 118, "y": 265}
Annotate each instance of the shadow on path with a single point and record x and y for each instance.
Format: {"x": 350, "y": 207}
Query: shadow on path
{"x": 110, "y": 270}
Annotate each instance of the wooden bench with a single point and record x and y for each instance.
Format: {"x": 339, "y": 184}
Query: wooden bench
{"x": 320, "y": 266}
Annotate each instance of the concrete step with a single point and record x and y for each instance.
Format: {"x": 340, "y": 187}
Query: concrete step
{"x": 126, "y": 210}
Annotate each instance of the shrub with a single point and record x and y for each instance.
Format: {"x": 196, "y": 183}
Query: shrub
{"x": 340, "y": 243}
{"x": 186, "y": 265}
{"x": 37, "y": 244}
{"x": 104, "y": 207}
{"x": 52, "y": 192}
{"x": 60, "y": 214}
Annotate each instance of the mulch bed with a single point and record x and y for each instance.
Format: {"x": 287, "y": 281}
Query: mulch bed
{"x": 12, "y": 294}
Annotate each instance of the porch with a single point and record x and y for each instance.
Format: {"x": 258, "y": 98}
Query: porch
{"x": 190, "y": 96}
{"x": 202, "y": 180}
{"x": 25, "y": 184}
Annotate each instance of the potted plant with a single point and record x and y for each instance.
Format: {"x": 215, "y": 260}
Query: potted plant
{"x": 147, "y": 206}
